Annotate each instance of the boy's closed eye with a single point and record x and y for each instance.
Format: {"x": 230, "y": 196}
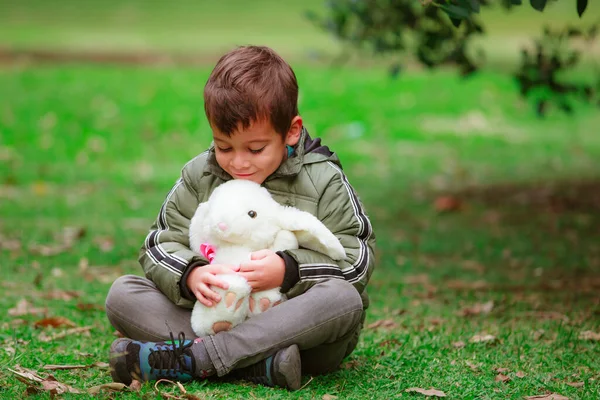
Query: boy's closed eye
{"x": 257, "y": 151}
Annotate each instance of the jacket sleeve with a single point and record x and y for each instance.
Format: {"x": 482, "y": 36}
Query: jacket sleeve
{"x": 165, "y": 255}
{"x": 342, "y": 212}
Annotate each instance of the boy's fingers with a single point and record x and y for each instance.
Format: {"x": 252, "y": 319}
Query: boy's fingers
{"x": 203, "y": 299}
{"x": 213, "y": 280}
{"x": 209, "y": 294}
{"x": 260, "y": 254}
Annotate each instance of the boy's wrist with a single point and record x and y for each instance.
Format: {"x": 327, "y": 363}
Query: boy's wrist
{"x": 291, "y": 275}
{"x": 183, "y": 286}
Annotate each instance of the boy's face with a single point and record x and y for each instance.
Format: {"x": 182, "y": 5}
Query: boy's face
{"x": 256, "y": 152}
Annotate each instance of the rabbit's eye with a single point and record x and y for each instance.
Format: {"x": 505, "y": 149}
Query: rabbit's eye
{"x": 252, "y": 214}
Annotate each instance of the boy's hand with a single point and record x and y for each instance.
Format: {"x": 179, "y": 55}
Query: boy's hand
{"x": 200, "y": 279}
{"x": 265, "y": 270}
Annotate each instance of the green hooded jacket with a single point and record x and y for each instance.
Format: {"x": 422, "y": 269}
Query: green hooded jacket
{"x": 311, "y": 180}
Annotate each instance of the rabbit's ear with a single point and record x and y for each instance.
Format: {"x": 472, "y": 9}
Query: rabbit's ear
{"x": 198, "y": 230}
{"x": 310, "y": 232}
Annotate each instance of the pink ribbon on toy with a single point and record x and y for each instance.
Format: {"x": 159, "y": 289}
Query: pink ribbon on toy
{"x": 207, "y": 251}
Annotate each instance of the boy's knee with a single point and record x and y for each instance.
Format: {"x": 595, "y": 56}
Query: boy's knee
{"x": 120, "y": 288}
{"x": 342, "y": 292}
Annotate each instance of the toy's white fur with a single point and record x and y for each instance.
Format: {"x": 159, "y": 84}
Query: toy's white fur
{"x": 241, "y": 217}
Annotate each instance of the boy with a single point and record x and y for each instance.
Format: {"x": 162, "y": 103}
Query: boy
{"x": 251, "y": 103}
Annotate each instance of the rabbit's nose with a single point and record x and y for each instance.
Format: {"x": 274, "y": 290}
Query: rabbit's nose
{"x": 222, "y": 226}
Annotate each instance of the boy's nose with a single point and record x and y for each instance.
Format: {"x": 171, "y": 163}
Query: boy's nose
{"x": 239, "y": 162}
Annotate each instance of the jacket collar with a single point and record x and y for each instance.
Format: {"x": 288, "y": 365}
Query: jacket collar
{"x": 290, "y": 167}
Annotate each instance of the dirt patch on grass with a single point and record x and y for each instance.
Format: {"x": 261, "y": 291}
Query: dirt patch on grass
{"x": 40, "y": 56}
{"x": 554, "y": 197}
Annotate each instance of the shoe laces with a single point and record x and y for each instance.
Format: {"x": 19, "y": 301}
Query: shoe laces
{"x": 170, "y": 357}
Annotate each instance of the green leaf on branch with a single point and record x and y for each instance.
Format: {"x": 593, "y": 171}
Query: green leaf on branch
{"x": 538, "y": 4}
{"x": 455, "y": 11}
{"x": 581, "y": 6}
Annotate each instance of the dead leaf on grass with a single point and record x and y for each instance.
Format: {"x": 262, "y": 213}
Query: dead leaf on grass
{"x": 458, "y": 284}
{"x": 483, "y": 339}
{"x": 352, "y": 364}
{"x": 576, "y": 384}
{"x": 184, "y": 396}
{"x": 551, "y": 396}
{"x": 383, "y": 323}
{"x": 502, "y": 378}
{"x": 54, "y": 367}
{"x": 426, "y": 392}
{"x": 459, "y": 345}
{"x": 90, "y": 307}
{"x": 54, "y": 322}
{"x": 65, "y": 295}
{"x": 537, "y": 334}
{"x": 135, "y": 385}
{"x": 501, "y": 370}
{"x": 328, "y": 397}
{"x": 49, "y": 383}
{"x": 104, "y": 243}
{"x": 589, "y": 335}
{"x": 24, "y": 307}
{"x": 112, "y": 386}
{"x": 81, "y": 330}
{"x": 520, "y": 374}
{"x": 447, "y": 204}
{"x": 66, "y": 240}
{"x": 474, "y": 367}
{"x": 477, "y": 308}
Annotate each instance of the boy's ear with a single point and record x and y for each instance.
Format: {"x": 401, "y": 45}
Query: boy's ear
{"x": 293, "y": 135}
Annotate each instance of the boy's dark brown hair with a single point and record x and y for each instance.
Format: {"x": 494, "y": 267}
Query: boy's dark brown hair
{"x": 248, "y": 84}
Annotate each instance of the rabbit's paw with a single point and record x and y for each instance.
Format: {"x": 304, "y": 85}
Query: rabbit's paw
{"x": 260, "y": 302}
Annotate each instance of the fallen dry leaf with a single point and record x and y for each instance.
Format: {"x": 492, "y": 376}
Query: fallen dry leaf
{"x": 53, "y": 386}
{"x": 350, "y": 364}
{"x": 383, "y": 323}
{"x": 104, "y": 243}
{"x": 476, "y": 309}
{"x": 501, "y": 370}
{"x": 520, "y": 374}
{"x": 112, "y": 386}
{"x": 589, "y": 335}
{"x": 537, "y": 334}
{"x": 502, "y": 378}
{"x": 98, "y": 364}
{"x": 54, "y": 322}
{"x": 45, "y": 338}
{"x": 458, "y": 284}
{"x": 551, "y": 396}
{"x": 447, "y": 204}
{"x": 90, "y": 307}
{"x": 24, "y": 307}
{"x": 329, "y": 397}
{"x": 576, "y": 384}
{"x": 459, "y": 345}
{"x": 65, "y": 295}
{"x": 49, "y": 383}
{"x": 54, "y": 367}
{"x": 427, "y": 392}
{"x": 483, "y": 339}
{"x": 135, "y": 385}
{"x": 474, "y": 367}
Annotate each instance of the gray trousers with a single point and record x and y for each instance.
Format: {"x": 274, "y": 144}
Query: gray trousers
{"x": 324, "y": 322}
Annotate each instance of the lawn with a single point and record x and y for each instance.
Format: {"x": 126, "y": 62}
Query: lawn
{"x": 486, "y": 216}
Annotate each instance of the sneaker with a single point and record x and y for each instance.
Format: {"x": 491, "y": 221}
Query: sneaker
{"x": 150, "y": 361}
{"x": 283, "y": 369}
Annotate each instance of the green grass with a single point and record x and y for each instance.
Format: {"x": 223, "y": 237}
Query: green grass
{"x": 98, "y": 148}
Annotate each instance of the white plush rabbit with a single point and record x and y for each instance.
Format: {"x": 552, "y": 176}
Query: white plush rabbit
{"x": 241, "y": 217}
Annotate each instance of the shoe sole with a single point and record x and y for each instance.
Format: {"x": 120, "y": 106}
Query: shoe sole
{"x": 288, "y": 367}
{"x": 117, "y": 364}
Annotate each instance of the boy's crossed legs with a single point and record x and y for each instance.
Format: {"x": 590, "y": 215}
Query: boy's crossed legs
{"x": 324, "y": 324}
